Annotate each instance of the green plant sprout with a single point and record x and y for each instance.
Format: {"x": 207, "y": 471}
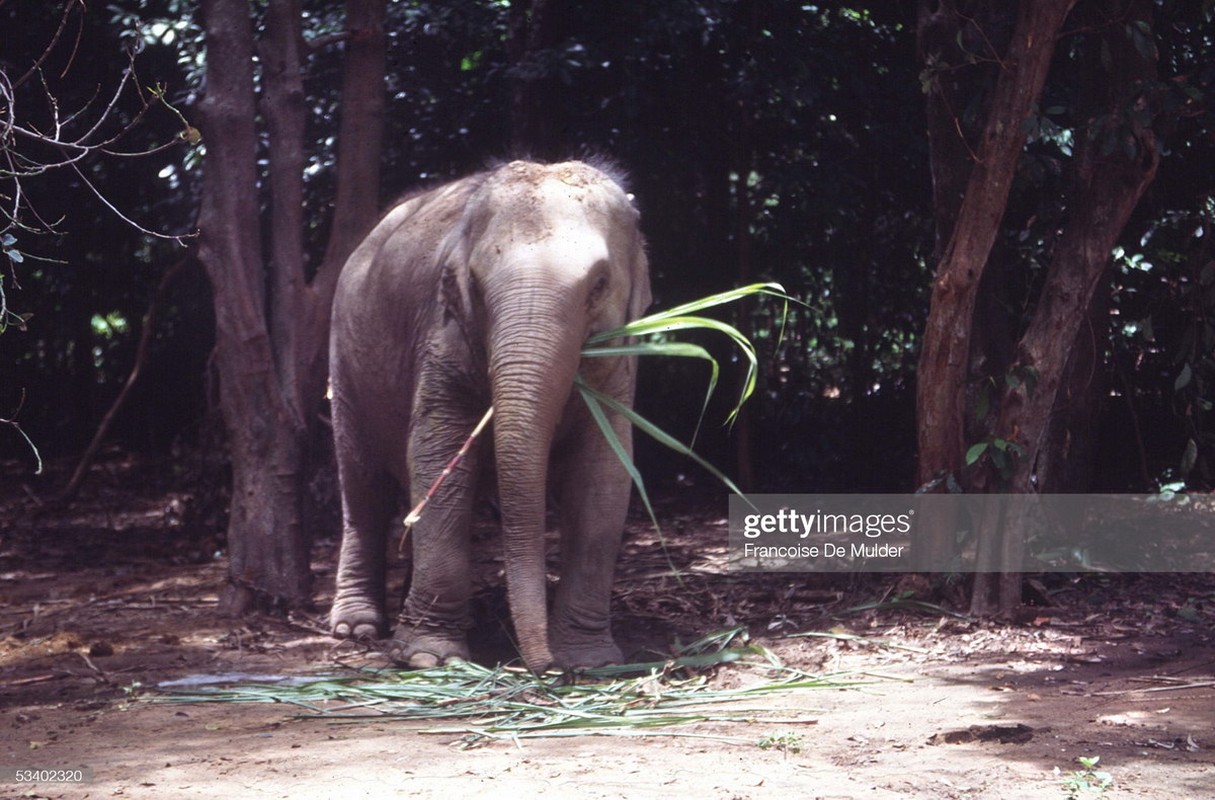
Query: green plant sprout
{"x": 1088, "y": 783}
{"x": 786, "y": 743}
{"x": 188, "y": 134}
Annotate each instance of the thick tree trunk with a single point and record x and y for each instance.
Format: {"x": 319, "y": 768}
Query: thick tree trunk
{"x": 945, "y": 365}
{"x": 268, "y": 550}
{"x": 1064, "y": 341}
{"x": 945, "y": 359}
{"x": 360, "y": 141}
{"x": 1057, "y": 356}
{"x": 959, "y": 44}
{"x": 271, "y": 324}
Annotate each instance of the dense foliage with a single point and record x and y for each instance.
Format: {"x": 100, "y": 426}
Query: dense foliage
{"x": 764, "y": 140}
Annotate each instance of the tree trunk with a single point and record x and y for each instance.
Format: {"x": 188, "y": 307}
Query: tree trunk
{"x": 1063, "y": 345}
{"x": 1047, "y": 410}
{"x": 271, "y": 324}
{"x": 945, "y": 365}
{"x": 959, "y": 43}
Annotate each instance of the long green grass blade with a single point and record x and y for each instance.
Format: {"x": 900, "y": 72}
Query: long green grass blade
{"x": 594, "y": 402}
{"x": 652, "y": 430}
{"x": 670, "y": 324}
{"x": 770, "y": 289}
{"x": 685, "y": 349}
{"x": 685, "y": 317}
{"x": 694, "y": 307}
{"x": 622, "y": 341}
{"x": 673, "y": 349}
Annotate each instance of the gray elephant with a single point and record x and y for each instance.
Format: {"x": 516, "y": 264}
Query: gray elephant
{"x": 483, "y": 291}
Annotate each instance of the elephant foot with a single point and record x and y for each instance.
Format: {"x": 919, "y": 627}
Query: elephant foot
{"x": 422, "y": 648}
{"x": 573, "y": 651}
{"x": 355, "y": 619}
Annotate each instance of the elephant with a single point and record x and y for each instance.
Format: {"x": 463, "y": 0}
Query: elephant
{"x": 479, "y": 292}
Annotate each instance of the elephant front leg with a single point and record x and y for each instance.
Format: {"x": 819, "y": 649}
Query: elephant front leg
{"x": 593, "y": 492}
{"x": 432, "y": 627}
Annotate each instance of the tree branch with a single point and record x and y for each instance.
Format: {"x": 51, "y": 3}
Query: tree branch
{"x": 12, "y": 423}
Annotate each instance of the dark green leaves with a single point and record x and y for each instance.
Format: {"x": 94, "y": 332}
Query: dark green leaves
{"x": 1003, "y": 455}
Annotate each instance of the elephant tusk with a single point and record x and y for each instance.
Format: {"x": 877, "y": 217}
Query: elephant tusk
{"x": 416, "y": 512}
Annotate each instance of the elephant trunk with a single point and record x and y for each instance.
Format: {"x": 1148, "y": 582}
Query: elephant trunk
{"x": 534, "y": 343}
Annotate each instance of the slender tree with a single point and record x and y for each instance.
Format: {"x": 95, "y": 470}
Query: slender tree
{"x": 272, "y": 322}
{"x": 1010, "y": 418}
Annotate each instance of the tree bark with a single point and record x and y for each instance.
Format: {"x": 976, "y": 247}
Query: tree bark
{"x": 1114, "y": 162}
{"x": 959, "y": 43}
{"x": 271, "y": 324}
{"x": 945, "y": 360}
{"x": 945, "y": 365}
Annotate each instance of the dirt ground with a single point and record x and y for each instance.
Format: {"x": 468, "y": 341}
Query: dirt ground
{"x": 103, "y": 602}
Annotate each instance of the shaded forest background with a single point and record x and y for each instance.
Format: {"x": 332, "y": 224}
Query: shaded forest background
{"x": 764, "y": 141}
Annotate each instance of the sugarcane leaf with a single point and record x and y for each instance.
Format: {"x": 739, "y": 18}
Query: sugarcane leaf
{"x": 661, "y": 436}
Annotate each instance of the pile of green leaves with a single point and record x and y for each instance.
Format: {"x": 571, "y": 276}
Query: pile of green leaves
{"x": 477, "y": 704}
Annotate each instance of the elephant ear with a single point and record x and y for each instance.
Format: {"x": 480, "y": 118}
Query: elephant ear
{"x": 639, "y": 293}
{"x": 455, "y": 291}
{"x": 455, "y": 254}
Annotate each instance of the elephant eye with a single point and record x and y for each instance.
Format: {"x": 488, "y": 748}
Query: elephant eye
{"x": 597, "y": 290}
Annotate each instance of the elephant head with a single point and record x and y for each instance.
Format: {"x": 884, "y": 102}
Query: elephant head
{"x": 554, "y": 255}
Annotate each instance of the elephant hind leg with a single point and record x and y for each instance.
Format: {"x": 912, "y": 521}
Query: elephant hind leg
{"x": 368, "y": 503}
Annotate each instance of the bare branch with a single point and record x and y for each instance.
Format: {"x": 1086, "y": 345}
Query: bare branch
{"x": 50, "y": 47}
{"x": 12, "y": 423}
{"x": 174, "y": 237}
{"x": 98, "y": 137}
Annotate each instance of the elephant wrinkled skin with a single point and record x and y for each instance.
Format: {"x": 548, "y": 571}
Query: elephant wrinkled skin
{"x": 483, "y": 291}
